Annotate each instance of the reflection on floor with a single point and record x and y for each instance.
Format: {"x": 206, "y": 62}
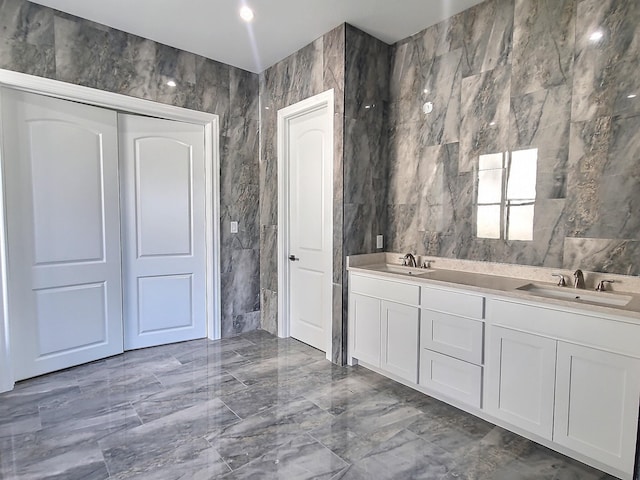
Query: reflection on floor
{"x": 253, "y": 407}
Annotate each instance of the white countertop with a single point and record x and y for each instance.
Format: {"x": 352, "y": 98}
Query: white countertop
{"x": 504, "y": 280}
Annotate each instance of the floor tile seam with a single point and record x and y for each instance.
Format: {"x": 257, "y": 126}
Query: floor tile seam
{"x": 219, "y": 454}
{"x": 106, "y": 465}
{"x": 326, "y": 410}
{"x": 232, "y": 410}
{"x": 132, "y": 406}
{"x": 337, "y": 476}
{"x": 267, "y": 452}
{"x": 237, "y": 379}
{"x": 348, "y": 463}
{"x": 155, "y": 376}
{"x": 435, "y": 446}
{"x": 456, "y": 453}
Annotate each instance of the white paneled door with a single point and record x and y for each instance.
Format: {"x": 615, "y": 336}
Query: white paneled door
{"x": 163, "y": 224}
{"x": 310, "y": 226}
{"x": 63, "y": 229}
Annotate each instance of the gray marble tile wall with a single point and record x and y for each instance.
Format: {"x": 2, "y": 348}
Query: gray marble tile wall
{"x": 509, "y": 75}
{"x": 356, "y": 66}
{"x": 366, "y": 89}
{"x": 314, "y": 69}
{"x": 365, "y": 156}
{"x": 47, "y": 43}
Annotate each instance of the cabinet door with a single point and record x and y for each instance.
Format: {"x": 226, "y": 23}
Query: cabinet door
{"x": 400, "y": 324}
{"x": 521, "y": 379}
{"x": 364, "y": 328}
{"x": 597, "y": 404}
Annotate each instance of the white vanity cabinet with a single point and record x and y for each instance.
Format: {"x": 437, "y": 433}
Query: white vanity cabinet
{"x": 521, "y": 371}
{"x": 596, "y": 404}
{"x": 400, "y": 324}
{"x": 572, "y": 378}
{"x": 564, "y": 376}
{"x": 384, "y": 325}
{"x": 365, "y": 328}
{"x": 451, "y": 344}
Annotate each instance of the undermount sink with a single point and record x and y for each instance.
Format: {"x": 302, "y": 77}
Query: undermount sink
{"x": 411, "y": 271}
{"x": 576, "y": 295}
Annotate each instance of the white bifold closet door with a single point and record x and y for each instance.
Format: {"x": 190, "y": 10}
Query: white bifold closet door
{"x": 163, "y": 223}
{"x": 106, "y": 231}
{"x": 63, "y": 226}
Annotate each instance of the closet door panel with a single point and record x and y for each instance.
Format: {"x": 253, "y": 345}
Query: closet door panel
{"x": 63, "y": 225}
{"x": 163, "y": 197}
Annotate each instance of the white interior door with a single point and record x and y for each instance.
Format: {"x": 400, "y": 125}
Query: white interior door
{"x": 63, "y": 229}
{"x": 309, "y": 147}
{"x": 164, "y": 260}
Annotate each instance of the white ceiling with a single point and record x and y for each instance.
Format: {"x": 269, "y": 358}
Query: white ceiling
{"x": 212, "y": 28}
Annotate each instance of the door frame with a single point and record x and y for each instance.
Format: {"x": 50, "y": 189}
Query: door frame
{"x": 285, "y": 115}
{"x": 119, "y": 102}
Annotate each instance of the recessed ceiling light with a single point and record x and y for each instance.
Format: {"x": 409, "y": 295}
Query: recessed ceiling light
{"x": 633, "y": 95}
{"x": 596, "y": 36}
{"x": 246, "y": 14}
{"x": 172, "y": 83}
{"x": 492, "y": 124}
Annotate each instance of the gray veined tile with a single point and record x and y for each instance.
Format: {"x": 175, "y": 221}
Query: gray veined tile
{"x": 138, "y": 361}
{"x": 447, "y": 435}
{"x": 252, "y": 401}
{"x": 345, "y": 437}
{"x": 187, "y": 392}
{"x": 543, "y": 44}
{"x": 485, "y": 109}
{"x": 604, "y": 70}
{"x": 174, "y": 438}
{"x": 24, "y": 401}
{"x": 607, "y": 255}
{"x": 26, "y": 22}
{"x": 353, "y": 423}
{"x": 487, "y": 34}
{"x": 443, "y": 84}
{"x": 29, "y": 452}
{"x": 342, "y": 395}
{"x": 268, "y": 309}
{"x": 18, "y": 425}
{"x": 405, "y": 456}
{"x": 256, "y": 435}
{"x": 496, "y": 449}
{"x": 211, "y": 360}
{"x": 547, "y": 464}
{"x": 301, "y": 458}
{"x": 83, "y": 463}
{"x": 97, "y": 413}
{"x": 191, "y": 461}
{"x": 121, "y": 386}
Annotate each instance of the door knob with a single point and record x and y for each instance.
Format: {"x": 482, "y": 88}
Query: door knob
{"x": 293, "y": 258}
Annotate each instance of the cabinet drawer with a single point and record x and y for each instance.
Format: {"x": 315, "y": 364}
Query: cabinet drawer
{"x": 386, "y": 290}
{"x": 451, "y": 377}
{"x": 588, "y": 328}
{"x": 458, "y": 337}
{"x": 457, "y": 303}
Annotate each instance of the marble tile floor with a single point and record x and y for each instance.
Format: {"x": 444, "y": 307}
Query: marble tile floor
{"x": 256, "y": 407}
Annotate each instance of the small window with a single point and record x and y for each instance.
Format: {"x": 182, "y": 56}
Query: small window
{"x": 506, "y": 195}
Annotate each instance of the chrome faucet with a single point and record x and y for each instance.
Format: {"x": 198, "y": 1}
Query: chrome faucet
{"x": 602, "y": 285}
{"x": 409, "y": 260}
{"x": 578, "y": 281}
{"x": 561, "y": 281}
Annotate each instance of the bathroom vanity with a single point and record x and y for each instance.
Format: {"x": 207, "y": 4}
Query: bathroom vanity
{"x": 519, "y": 352}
